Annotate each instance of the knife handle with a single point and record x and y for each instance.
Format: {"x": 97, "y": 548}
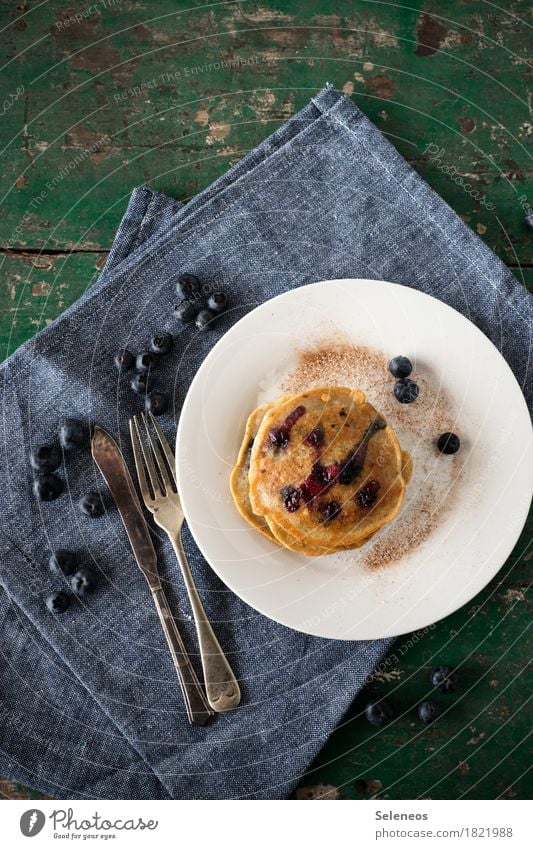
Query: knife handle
{"x": 198, "y": 710}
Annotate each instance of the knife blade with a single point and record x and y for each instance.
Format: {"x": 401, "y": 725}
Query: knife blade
{"x": 109, "y": 459}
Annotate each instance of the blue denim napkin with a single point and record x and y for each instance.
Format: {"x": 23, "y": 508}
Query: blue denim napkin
{"x": 89, "y": 699}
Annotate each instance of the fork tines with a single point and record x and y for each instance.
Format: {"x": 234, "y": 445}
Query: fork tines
{"x": 153, "y": 458}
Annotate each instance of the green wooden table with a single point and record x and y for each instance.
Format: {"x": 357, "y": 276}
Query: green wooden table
{"x": 172, "y": 94}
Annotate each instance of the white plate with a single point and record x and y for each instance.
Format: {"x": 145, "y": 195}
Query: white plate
{"x": 463, "y": 513}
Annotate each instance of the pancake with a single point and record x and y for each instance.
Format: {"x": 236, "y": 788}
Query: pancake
{"x": 301, "y": 547}
{"x": 326, "y": 469}
{"x": 240, "y": 489}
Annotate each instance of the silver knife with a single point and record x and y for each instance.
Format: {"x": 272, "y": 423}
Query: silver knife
{"x": 108, "y": 458}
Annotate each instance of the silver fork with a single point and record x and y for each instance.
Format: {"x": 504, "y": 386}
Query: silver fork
{"x": 155, "y": 463}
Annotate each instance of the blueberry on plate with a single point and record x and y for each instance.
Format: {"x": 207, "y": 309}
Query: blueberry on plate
{"x": 156, "y": 403}
{"x": 73, "y": 433}
{"x": 161, "y": 343}
{"x": 63, "y": 562}
{"x": 45, "y": 458}
{"x": 144, "y": 361}
{"x": 379, "y": 712}
{"x": 217, "y": 302}
{"x": 58, "y": 602}
{"x": 428, "y": 711}
{"x": 188, "y": 285}
{"x": 185, "y": 312}
{"x": 406, "y": 391}
{"x": 91, "y": 504}
{"x": 448, "y": 443}
{"x": 400, "y": 367}
{"x": 141, "y": 383}
{"x": 124, "y": 359}
{"x": 47, "y": 487}
{"x": 204, "y": 319}
{"x": 83, "y": 582}
{"x": 444, "y": 678}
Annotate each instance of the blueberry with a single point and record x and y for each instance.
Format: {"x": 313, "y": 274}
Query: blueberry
{"x": 217, "y": 302}
{"x": 45, "y": 458}
{"x": 528, "y": 221}
{"x": 141, "y": 383}
{"x": 368, "y": 494}
{"x": 185, "y": 312}
{"x": 83, "y": 582}
{"x": 444, "y": 678}
{"x": 47, "y": 487}
{"x": 91, "y": 504}
{"x": 379, "y": 712}
{"x": 124, "y": 359}
{"x": 188, "y": 285}
{"x": 156, "y": 403}
{"x": 428, "y": 711}
{"x": 330, "y": 511}
{"x": 204, "y": 319}
{"x": 400, "y": 367}
{"x": 73, "y": 434}
{"x": 161, "y": 343}
{"x": 63, "y": 562}
{"x": 58, "y": 602}
{"x": 448, "y": 443}
{"x": 406, "y": 391}
{"x": 291, "y": 497}
{"x": 144, "y": 361}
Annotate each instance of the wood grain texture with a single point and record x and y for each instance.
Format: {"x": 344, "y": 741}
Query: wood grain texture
{"x": 171, "y": 94}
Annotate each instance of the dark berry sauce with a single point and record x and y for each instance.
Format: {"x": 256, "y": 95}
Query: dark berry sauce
{"x": 279, "y": 437}
{"x": 321, "y": 478}
{"x": 315, "y": 438}
{"x": 352, "y": 465}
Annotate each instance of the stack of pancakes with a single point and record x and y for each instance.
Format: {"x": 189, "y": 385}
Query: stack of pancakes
{"x": 319, "y": 472}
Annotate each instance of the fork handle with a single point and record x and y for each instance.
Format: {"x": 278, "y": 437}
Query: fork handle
{"x": 223, "y": 692}
{"x": 198, "y": 710}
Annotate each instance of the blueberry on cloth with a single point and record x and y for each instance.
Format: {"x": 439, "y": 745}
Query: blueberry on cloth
{"x": 141, "y": 383}
{"x": 63, "y": 562}
{"x": 83, "y": 582}
{"x": 204, "y": 319}
{"x": 124, "y": 359}
{"x": 185, "y": 312}
{"x": 47, "y": 487}
{"x": 156, "y": 403}
{"x": 161, "y": 343}
{"x": 73, "y": 433}
{"x": 45, "y": 458}
{"x": 58, "y": 602}
{"x": 91, "y": 504}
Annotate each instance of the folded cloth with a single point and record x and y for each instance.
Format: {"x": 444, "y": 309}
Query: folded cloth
{"x": 325, "y": 196}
